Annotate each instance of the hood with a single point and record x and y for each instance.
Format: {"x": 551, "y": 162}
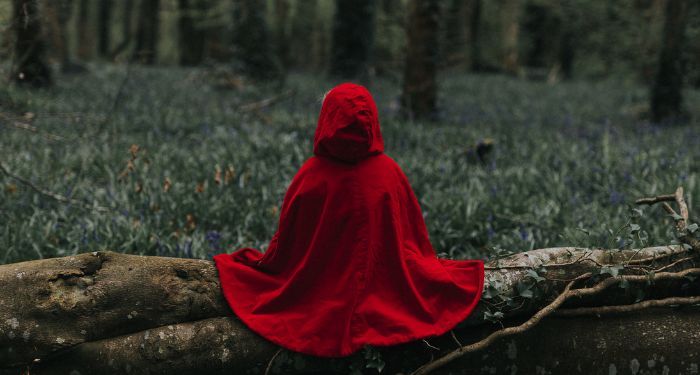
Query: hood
{"x": 348, "y": 126}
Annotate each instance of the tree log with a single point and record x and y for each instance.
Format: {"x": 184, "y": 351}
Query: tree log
{"x": 108, "y": 313}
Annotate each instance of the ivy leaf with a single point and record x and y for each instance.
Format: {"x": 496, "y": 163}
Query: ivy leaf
{"x": 634, "y": 228}
{"x": 527, "y": 293}
{"x": 525, "y": 290}
{"x": 611, "y": 270}
{"x": 493, "y": 316}
{"x": 676, "y": 217}
{"x": 650, "y": 277}
{"x": 692, "y": 228}
{"x": 534, "y": 275}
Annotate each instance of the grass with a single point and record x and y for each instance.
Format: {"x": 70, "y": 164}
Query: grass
{"x": 568, "y": 162}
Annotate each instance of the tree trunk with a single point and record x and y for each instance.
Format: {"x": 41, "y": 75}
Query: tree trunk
{"x": 146, "y": 51}
{"x": 460, "y": 46}
{"x": 510, "y": 23}
{"x": 252, "y": 41}
{"x": 304, "y": 47}
{"x": 127, "y": 15}
{"x": 192, "y": 35}
{"x": 666, "y": 92}
{"x": 353, "y": 35}
{"x": 282, "y": 8}
{"x": 104, "y": 28}
{"x": 30, "y": 66}
{"x": 85, "y": 34}
{"x": 112, "y": 313}
{"x": 419, "y": 95}
{"x": 57, "y": 16}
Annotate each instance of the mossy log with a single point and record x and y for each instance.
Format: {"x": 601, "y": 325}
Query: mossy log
{"x": 112, "y": 313}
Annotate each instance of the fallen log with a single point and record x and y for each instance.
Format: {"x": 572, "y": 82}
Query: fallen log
{"x": 112, "y": 313}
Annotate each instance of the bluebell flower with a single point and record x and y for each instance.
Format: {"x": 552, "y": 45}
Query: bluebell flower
{"x": 616, "y": 197}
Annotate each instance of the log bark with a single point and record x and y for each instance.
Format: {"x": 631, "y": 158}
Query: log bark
{"x": 110, "y": 313}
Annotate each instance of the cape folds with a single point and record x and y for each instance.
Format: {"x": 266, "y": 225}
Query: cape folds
{"x": 351, "y": 263}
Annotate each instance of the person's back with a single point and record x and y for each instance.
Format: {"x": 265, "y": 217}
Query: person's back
{"x": 351, "y": 263}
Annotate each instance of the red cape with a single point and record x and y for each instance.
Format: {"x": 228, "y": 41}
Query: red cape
{"x": 351, "y": 263}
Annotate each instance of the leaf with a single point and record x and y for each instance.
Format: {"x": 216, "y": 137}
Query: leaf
{"x": 534, "y": 275}
{"x": 493, "y": 316}
{"x": 634, "y": 228}
{"x": 692, "y": 228}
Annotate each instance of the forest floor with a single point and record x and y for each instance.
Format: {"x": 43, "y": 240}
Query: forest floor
{"x": 164, "y": 161}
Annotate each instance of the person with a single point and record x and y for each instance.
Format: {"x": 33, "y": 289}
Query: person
{"x": 351, "y": 263}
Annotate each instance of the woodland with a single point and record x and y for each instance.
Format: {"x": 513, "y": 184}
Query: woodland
{"x": 557, "y": 140}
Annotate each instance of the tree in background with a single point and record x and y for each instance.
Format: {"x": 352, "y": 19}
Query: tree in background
{"x": 353, "y": 35}
{"x": 104, "y": 28}
{"x": 510, "y": 19}
{"x": 282, "y": 8}
{"x": 419, "y": 96}
{"x": 192, "y": 34}
{"x": 389, "y": 42}
{"x": 58, "y": 14}
{"x": 30, "y": 66}
{"x": 461, "y": 47}
{"x": 252, "y": 41}
{"x": 305, "y": 48}
{"x": 86, "y": 40}
{"x": 127, "y": 12}
{"x": 146, "y": 51}
{"x": 666, "y": 92}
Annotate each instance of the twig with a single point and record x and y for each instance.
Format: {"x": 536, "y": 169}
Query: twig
{"x": 50, "y": 194}
{"x": 459, "y": 344}
{"x": 657, "y": 199}
{"x": 566, "y": 294}
{"x": 25, "y": 126}
{"x": 272, "y": 360}
{"x": 620, "y": 309}
{"x": 683, "y": 208}
{"x": 256, "y": 106}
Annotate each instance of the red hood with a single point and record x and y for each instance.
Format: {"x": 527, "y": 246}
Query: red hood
{"x": 348, "y": 126}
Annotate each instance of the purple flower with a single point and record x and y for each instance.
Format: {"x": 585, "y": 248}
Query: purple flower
{"x": 616, "y": 197}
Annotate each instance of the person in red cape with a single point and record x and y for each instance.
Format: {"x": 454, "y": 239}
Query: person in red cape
{"x": 351, "y": 263}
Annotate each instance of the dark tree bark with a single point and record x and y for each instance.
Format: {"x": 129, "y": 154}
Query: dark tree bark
{"x": 282, "y": 8}
{"x": 146, "y": 51}
{"x": 567, "y": 53}
{"x": 304, "y": 46}
{"x": 58, "y": 14}
{"x": 510, "y": 18}
{"x": 666, "y": 92}
{"x": 30, "y": 66}
{"x": 85, "y": 35}
{"x": 104, "y": 28}
{"x": 127, "y": 12}
{"x": 353, "y": 36}
{"x": 251, "y": 39}
{"x": 543, "y": 27}
{"x": 193, "y": 35}
{"x": 419, "y": 95}
{"x": 461, "y": 47}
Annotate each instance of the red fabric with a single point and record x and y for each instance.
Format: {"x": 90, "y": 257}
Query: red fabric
{"x": 351, "y": 263}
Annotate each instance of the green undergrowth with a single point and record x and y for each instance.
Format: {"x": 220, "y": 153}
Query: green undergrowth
{"x": 567, "y": 162}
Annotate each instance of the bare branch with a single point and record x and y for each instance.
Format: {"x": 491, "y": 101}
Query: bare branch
{"x": 657, "y": 199}
{"x": 52, "y": 195}
{"x": 621, "y": 309}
